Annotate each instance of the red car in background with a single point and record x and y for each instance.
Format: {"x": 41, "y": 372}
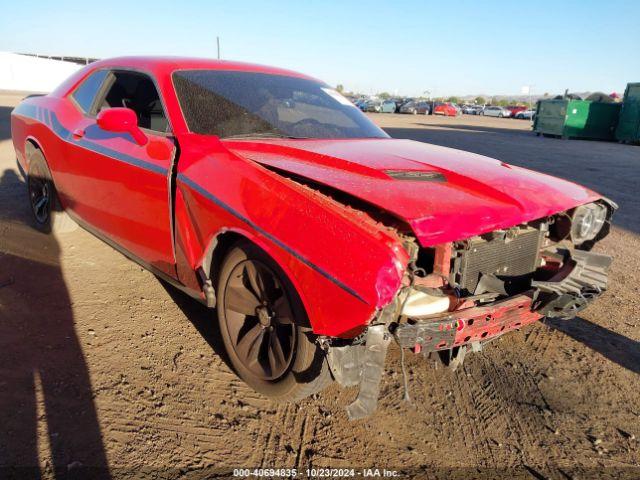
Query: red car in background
{"x": 314, "y": 238}
{"x": 446, "y": 109}
{"x": 516, "y": 109}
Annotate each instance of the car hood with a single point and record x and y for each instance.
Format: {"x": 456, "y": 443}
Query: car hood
{"x": 442, "y": 193}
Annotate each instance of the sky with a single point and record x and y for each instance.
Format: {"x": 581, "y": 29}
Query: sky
{"x": 402, "y": 47}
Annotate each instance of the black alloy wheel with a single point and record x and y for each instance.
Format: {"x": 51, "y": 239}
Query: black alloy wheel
{"x": 260, "y": 320}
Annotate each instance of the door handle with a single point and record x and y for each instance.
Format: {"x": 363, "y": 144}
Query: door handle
{"x": 78, "y": 134}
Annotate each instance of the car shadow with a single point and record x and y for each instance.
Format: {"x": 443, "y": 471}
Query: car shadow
{"x": 203, "y": 318}
{"x": 5, "y": 126}
{"x": 613, "y": 346}
{"x": 45, "y": 386}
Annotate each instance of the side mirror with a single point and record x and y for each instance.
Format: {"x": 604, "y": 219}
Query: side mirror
{"x": 121, "y": 120}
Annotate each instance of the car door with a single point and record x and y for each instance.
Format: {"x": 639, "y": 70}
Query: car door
{"x": 120, "y": 188}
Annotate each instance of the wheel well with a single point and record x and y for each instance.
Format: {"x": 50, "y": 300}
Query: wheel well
{"x": 220, "y": 246}
{"x": 29, "y": 147}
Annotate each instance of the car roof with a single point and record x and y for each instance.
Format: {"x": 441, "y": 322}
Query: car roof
{"x": 163, "y": 66}
{"x": 167, "y": 64}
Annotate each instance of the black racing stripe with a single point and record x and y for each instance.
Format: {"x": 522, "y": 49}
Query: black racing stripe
{"x": 221, "y": 204}
{"x": 49, "y": 118}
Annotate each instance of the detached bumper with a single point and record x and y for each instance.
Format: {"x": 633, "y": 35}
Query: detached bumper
{"x": 466, "y": 326}
{"x": 582, "y": 278}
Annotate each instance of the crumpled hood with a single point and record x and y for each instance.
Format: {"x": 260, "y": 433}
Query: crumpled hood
{"x": 461, "y": 195}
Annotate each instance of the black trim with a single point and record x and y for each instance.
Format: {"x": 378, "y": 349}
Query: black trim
{"x": 187, "y": 181}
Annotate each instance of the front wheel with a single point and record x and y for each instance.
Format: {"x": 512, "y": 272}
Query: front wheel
{"x": 265, "y": 329}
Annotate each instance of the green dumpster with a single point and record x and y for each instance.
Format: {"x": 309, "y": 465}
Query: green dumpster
{"x": 577, "y": 119}
{"x": 629, "y": 124}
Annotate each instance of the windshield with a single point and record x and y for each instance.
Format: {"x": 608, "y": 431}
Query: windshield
{"x": 233, "y": 104}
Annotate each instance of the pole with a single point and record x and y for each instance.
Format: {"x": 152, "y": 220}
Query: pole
{"x": 218, "y": 42}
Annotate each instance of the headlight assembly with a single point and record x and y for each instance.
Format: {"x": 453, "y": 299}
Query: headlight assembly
{"x": 587, "y": 222}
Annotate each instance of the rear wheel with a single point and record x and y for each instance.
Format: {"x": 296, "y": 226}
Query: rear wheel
{"x": 48, "y": 215}
{"x": 265, "y": 329}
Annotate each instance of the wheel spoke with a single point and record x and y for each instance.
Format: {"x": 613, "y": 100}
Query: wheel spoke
{"x": 241, "y": 300}
{"x": 256, "y": 281}
{"x": 41, "y": 203}
{"x": 276, "y": 356}
{"x": 248, "y": 347}
{"x": 283, "y": 311}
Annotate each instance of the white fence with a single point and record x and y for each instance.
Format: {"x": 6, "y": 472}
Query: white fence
{"x": 32, "y": 74}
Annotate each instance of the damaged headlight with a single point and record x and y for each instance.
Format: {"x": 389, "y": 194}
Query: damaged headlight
{"x": 587, "y": 222}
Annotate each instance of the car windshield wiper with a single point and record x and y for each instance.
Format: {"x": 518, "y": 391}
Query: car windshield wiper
{"x": 261, "y": 135}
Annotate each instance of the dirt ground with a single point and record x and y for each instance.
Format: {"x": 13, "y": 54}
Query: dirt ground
{"x": 102, "y": 366}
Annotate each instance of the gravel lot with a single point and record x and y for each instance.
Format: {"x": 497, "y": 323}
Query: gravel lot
{"x": 103, "y": 366}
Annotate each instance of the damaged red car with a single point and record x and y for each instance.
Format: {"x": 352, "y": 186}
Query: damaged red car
{"x": 314, "y": 237}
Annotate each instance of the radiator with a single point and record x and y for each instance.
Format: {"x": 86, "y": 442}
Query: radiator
{"x": 499, "y": 256}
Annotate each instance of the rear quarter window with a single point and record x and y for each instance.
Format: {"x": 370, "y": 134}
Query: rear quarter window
{"x": 85, "y": 93}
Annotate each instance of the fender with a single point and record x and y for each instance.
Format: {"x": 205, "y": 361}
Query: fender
{"x": 328, "y": 285}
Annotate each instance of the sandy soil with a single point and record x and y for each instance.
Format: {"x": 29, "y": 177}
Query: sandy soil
{"x": 102, "y": 366}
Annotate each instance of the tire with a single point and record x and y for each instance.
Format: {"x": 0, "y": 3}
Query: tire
{"x": 48, "y": 214}
{"x": 257, "y": 327}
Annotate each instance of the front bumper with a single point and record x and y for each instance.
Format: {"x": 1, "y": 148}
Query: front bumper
{"x": 581, "y": 279}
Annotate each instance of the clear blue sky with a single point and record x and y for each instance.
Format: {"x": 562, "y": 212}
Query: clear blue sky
{"x": 454, "y": 47}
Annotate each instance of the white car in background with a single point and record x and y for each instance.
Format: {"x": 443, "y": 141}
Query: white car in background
{"x": 492, "y": 111}
{"x": 526, "y": 115}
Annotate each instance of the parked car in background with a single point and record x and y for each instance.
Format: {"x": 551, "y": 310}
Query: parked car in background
{"x": 373, "y": 106}
{"x": 446, "y": 109}
{"x": 362, "y": 104}
{"x": 515, "y": 109}
{"x": 388, "y": 106}
{"x": 408, "y": 107}
{"x": 399, "y": 102}
{"x": 495, "y": 111}
{"x": 525, "y": 115}
{"x": 422, "y": 108}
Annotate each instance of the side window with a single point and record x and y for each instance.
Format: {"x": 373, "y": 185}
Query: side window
{"x": 85, "y": 93}
{"x": 137, "y": 92}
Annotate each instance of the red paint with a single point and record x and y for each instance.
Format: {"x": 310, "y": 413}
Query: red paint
{"x": 121, "y": 120}
{"x": 442, "y": 259}
{"x": 445, "y": 109}
{"x": 482, "y": 323}
{"x": 344, "y": 265}
{"x": 515, "y": 109}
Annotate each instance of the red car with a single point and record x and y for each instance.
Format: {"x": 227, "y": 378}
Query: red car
{"x": 317, "y": 238}
{"x": 515, "y": 109}
{"x": 446, "y": 109}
